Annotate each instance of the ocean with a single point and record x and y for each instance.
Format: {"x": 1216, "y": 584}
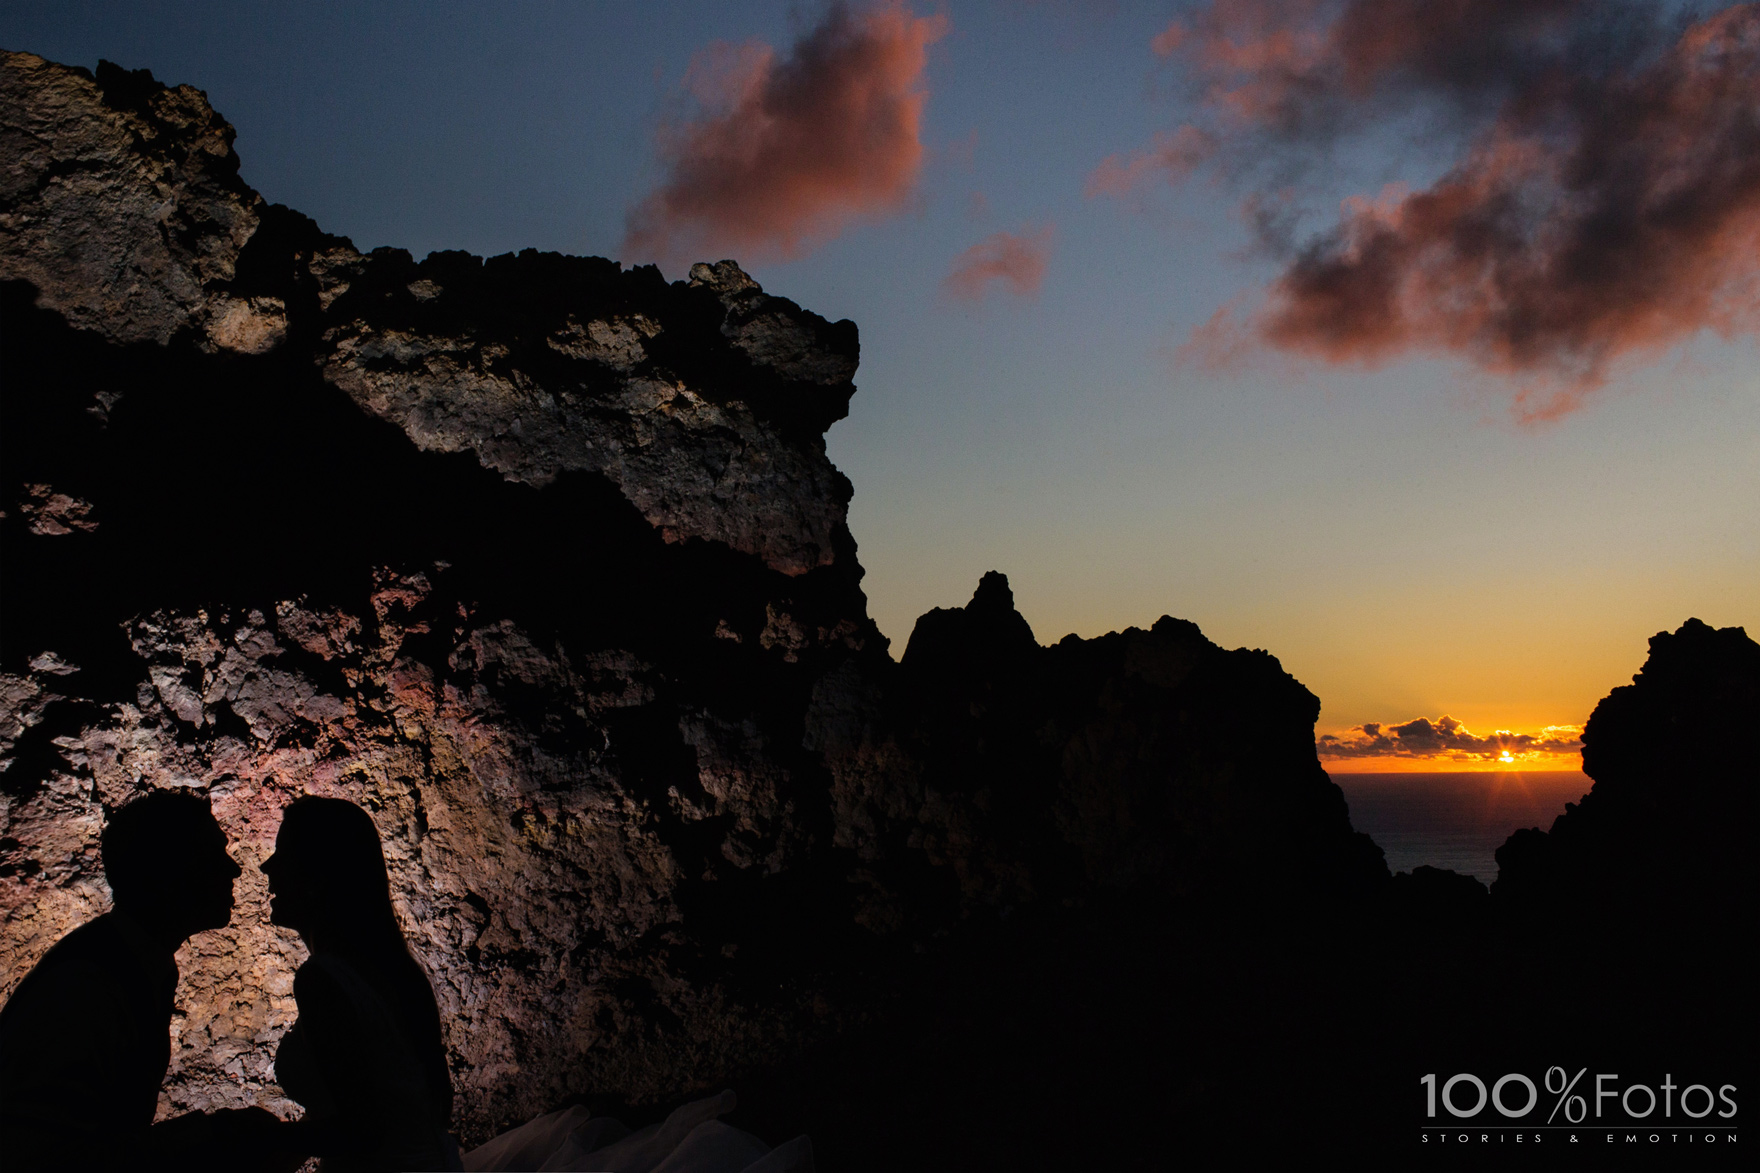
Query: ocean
{"x": 1456, "y": 820}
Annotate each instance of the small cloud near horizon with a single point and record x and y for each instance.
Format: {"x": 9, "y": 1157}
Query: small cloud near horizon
{"x": 1172, "y": 156}
{"x": 1223, "y": 343}
{"x": 1018, "y": 262}
{"x": 782, "y": 154}
{"x": 1605, "y": 205}
{"x": 1448, "y": 740}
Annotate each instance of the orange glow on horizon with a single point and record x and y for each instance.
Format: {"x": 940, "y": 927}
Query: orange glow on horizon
{"x": 1446, "y": 745}
{"x": 1440, "y": 764}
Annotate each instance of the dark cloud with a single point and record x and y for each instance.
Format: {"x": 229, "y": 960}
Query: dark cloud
{"x": 1605, "y": 204}
{"x": 1309, "y": 69}
{"x": 782, "y": 155}
{"x": 1447, "y": 738}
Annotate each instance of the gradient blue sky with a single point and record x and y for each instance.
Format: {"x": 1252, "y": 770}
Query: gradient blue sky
{"x": 1394, "y": 537}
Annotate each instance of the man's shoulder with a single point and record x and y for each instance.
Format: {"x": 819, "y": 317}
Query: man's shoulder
{"x": 99, "y": 943}
{"x": 98, "y": 937}
{"x": 82, "y": 1049}
{"x": 97, "y": 955}
{"x": 85, "y": 950}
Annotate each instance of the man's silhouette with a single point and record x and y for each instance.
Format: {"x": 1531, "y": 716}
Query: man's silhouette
{"x": 85, "y": 1039}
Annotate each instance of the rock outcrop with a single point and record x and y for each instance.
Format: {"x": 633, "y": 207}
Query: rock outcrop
{"x": 542, "y": 562}
{"x": 1666, "y": 834}
{"x": 706, "y": 404}
{"x": 1138, "y": 759}
{"x": 123, "y": 205}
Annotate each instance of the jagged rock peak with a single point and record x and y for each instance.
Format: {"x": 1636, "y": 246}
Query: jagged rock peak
{"x": 993, "y": 594}
{"x": 1137, "y": 757}
{"x": 726, "y": 278}
{"x": 978, "y": 636}
{"x": 1697, "y": 654}
{"x": 1695, "y": 678}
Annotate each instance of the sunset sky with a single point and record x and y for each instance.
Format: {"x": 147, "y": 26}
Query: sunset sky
{"x": 1411, "y": 340}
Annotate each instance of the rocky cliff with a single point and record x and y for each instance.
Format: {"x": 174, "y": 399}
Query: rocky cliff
{"x": 1666, "y": 834}
{"x": 541, "y": 561}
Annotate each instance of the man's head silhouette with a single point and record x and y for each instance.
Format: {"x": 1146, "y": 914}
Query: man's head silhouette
{"x": 84, "y": 1039}
{"x": 166, "y": 860}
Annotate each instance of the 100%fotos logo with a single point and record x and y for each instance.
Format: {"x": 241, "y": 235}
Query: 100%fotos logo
{"x": 1515, "y": 1096}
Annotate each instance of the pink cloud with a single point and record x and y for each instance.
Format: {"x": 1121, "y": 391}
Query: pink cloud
{"x": 1173, "y": 156}
{"x": 1168, "y": 41}
{"x": 1223, "y": 343}
{"x": 1604, "y": 205}
{"x": 1547, "y": 260}
{"x": 784, "y": 154}
{"x": 1018, "y": 262}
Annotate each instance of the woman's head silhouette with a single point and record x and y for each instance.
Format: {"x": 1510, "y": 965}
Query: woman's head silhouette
{"x": 328, "y": 882}
{"x": 327, "y": 878}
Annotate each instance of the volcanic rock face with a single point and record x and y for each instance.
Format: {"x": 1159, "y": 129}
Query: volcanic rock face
{"x": 543, "y": 563}
{"x": 122, "y": 202}
{"x": 122, "y": 206}
{"x": 565, "y": 668}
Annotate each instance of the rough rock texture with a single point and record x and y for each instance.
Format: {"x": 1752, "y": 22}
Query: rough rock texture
{"x": 159, "y": 164}
{"x": 543, "y": 563}
{"x": 705, "y": 404}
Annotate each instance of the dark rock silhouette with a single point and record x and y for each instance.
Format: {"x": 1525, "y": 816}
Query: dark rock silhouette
{"x": 1138, "y": 758}
{"x": 1437, "y": 897}
{"x": 1667, "y": 830}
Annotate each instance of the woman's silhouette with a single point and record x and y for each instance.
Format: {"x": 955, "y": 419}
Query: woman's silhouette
{"x": 365, "y": 1057}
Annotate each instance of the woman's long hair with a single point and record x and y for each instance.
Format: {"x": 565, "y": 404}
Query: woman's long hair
{"x": 344, "y": 860}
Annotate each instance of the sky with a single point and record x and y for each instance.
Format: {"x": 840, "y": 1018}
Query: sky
{"x": 1413, "y": 341}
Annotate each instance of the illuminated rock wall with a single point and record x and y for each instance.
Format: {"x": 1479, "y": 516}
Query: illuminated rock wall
{"x": 551, "y": 606}
{"x": 543, "y": 563}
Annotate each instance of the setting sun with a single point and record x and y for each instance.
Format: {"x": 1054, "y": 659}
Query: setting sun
{"x": 1425, "y": 745}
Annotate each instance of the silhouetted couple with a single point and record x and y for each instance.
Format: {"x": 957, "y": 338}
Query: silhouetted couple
{"x": 85, "y": 1039}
